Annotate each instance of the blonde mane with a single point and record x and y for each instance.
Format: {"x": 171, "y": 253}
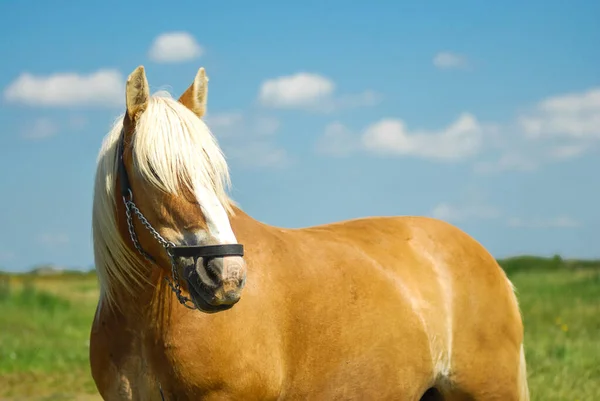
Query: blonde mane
{"x": 172, "y": 149}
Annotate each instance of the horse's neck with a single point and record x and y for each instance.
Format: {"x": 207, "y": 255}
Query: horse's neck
{"x": 245, "y": 227}
{"x": 148, "y": 294}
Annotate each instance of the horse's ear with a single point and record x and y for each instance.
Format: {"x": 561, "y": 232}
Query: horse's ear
{"x": 136, "y": 93}
{"x": 195, "y": 97}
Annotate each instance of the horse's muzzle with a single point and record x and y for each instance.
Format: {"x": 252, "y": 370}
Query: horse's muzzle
{"x": 218, "y": 281}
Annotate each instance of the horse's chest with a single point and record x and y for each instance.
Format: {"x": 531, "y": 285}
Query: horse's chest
{"x": 198, "y": 366}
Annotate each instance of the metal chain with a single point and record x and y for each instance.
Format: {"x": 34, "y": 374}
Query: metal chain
{"x": 175, "y": 286}
{"x": 132, "y": 232}
{"x": 131, "y": 206}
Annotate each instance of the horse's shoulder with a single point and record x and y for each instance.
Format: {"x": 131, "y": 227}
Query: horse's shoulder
{"x": 113, "y": 363}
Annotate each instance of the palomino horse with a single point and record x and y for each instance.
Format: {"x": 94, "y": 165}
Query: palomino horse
{"x": 199, "y": 301}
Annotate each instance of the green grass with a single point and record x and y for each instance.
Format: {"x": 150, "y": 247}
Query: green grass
{"x": 560, "y": 301}
{"x": 44, "y": 337}
{"x": 45, "y": 323}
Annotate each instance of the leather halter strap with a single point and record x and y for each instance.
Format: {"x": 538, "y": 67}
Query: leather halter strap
{"x": 208, "y": 251}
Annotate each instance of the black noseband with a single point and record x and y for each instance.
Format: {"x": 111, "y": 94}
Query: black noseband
{"x": 208, "y": 251}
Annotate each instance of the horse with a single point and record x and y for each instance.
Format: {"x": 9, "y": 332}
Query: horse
{"x": 200, "y": 301}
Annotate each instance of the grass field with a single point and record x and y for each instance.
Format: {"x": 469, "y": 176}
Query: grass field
{"x": 45, "y": 322}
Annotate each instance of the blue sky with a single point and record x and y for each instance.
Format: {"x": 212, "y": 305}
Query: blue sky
{"x": 484, "y": 114}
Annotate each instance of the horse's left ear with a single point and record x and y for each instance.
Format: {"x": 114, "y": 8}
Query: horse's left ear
{"x": 194, "y": 98}
{"x": 136, "y": 93}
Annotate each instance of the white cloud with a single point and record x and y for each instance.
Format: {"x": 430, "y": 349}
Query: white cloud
{"x": 41, "y": 128}
{"x": 519, "y": 153}
{"x": 555, "y": 222}
{"x": 460, "y": 140}
{"x": 390, "y": 137}
{"x": 448, "y": 60}
{"x": 175, "y": 47}
{"x": 299, "y": 90}
{"x": 556, "y": 129}
{"x": 104, "y": 87}
{"x": 573, "y": 115}
{"x": 310, "y": 91}
{"x": 523, "y": 144}
{"x": 474, "y": 210}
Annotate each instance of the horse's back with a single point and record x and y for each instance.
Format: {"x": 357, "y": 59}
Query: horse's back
{"x": 431, "y": 296}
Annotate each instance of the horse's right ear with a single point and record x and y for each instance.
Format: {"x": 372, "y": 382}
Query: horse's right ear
{"x": 195, "y": 97}
{"x": 136, "y": 93}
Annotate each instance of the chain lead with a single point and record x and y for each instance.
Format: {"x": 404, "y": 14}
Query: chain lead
{"x": 175, "y": 286}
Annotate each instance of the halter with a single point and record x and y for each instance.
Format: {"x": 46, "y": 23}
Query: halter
{"x": 204, "y": 251}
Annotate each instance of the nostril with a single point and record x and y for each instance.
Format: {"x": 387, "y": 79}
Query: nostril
{"x": 213, "y": 270}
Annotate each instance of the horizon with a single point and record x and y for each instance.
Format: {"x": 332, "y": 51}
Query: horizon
{"x": 475, "y": 114}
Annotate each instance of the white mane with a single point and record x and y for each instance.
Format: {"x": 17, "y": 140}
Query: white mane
{"x": 171, "y": 147}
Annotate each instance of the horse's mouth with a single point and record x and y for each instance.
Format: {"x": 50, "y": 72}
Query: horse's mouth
{"x": 201, "y": 297}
